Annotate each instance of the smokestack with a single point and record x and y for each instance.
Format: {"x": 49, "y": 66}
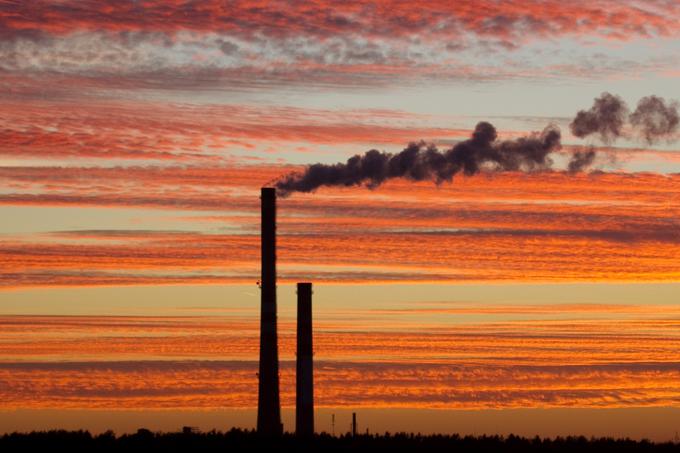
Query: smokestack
{"x": 354, "y": 424}
{"x": 304, "y": 398}
{"x": 268, "y": 403}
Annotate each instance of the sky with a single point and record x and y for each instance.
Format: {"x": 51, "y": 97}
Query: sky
{"x": 134, "y": 139}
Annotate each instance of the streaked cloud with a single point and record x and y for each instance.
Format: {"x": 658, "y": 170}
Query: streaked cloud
{"x": 576, "y": 355}
{"x": 247, "y": 45}
{"x": 193, "y": 133}
{"x": 492, "y": 227}
{"x": 206, "y": 385}
{"x": 390, "y": 18}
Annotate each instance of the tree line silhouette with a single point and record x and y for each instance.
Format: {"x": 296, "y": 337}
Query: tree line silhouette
{"x": 237, "y": 440}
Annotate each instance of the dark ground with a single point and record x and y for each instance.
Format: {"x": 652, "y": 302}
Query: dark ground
{"x": 243, "y": 440}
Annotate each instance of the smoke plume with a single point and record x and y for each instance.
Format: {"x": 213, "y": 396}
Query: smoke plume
{"x": 421, "y": 161}
{"x": 581, "y": 160}
{"x": 654, "y": 119}
{"x": 605, "y": 118}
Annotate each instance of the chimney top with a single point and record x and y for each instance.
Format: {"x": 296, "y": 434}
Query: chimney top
{"x": 304, "y": 287}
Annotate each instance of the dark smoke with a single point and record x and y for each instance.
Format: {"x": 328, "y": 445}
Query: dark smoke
{"x": 421, "y": 161}
{"x": 654, "y": 119}
{"x": 605, "y": 118}
{"x": 581, "y": 160}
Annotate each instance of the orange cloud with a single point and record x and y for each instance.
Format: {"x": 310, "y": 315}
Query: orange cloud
{"x": 249, "y": 45}
{"x": 477, "y": 256}
{"x": 552, "y": 336}
{"x": 184, "y": 133}
{"x": 619, "y": 20}
{"x": 219, "y": 384}
{"x": 627, "y": 358}
{"x": 507, "y": 227}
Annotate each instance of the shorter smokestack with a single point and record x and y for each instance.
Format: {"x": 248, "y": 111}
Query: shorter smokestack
{"x": 354, "y": 424}
{"x": 304, "y": 399}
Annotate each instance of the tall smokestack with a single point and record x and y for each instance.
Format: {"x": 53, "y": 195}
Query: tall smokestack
{"x": 268, "y": 403}
{"x": 304, "y": 397}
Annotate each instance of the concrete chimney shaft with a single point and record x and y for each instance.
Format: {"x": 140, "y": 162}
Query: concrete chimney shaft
{"x": 268, "y": 403}
{"x": 304, "y": 377}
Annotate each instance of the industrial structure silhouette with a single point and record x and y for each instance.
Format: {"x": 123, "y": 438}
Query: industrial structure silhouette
{"x": 268, "y": 401}
{"x": 269, "y": 405}
{"x": 304, "y": 370}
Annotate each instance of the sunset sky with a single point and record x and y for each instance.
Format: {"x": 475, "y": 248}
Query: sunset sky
{"x": 134, "y": 139}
